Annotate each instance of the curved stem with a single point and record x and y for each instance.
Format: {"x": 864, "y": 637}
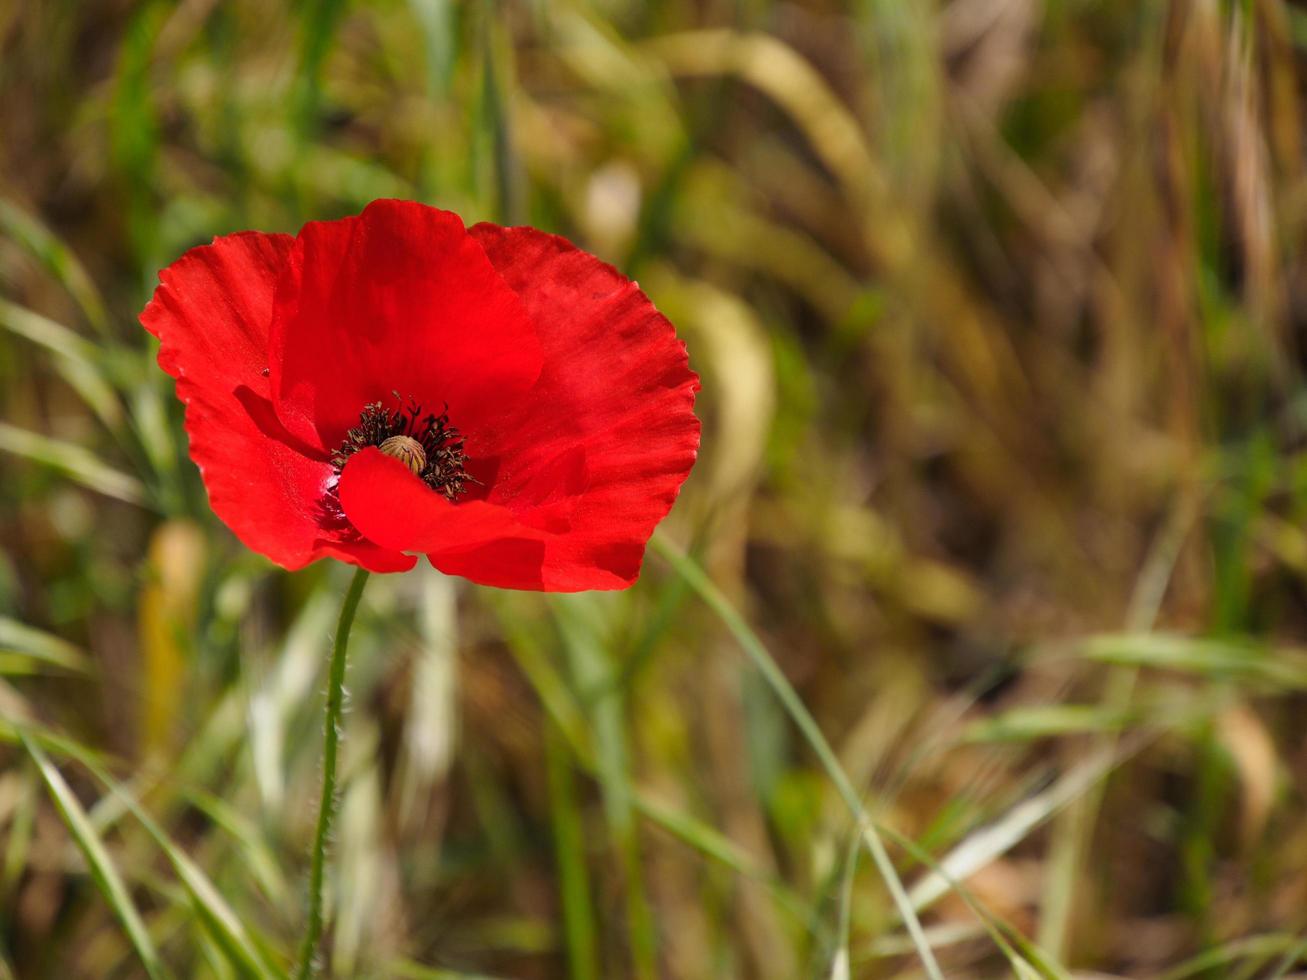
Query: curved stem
{"x": 330, "y": 742}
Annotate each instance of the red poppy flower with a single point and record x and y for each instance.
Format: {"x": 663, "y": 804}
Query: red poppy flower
{"x": 390, "y": 383}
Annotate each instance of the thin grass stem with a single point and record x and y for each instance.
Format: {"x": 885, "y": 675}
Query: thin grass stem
{"x": 695, "y": 577}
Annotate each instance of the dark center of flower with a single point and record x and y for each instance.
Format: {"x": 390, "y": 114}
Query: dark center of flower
{"x": 429, "y": 446}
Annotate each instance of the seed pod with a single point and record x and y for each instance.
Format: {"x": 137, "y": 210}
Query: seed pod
{"x": 408, "y": 451}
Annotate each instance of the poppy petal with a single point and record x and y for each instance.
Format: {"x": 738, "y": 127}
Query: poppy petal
{"x": 212, "y": 312}
{"x": 484, "y": 542}
{"x": 396, "y": 300}
{"x": 391, "y": 506}
{"x": 615, "y": 386}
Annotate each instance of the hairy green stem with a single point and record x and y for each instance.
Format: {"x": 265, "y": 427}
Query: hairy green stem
{"x": 330, "y": 743}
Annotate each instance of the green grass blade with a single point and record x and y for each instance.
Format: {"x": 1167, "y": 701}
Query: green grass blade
{"x": 77, "y": 360}
{"x": 47, "y": 249}
{"x": 493, "y": 140}
{"x": 430, "y": 731}
{"x": 43, "y": 331}
{"x": 1073, "y": 829}
{"x": 716, "y": 846}
{"x": 1291, "y": 959}
{"x": 592, "y": 670}
{"x": 839, "y": 968}
{"x": 1035, "y": 721}
{"x": 807, "y": 725}
{"x": 524, "y": 643}
{"x": 74, "y": 462}
{"x": 97, "y": 857}
{"x": 222, "y": 922}
{"x": 22, "y": 823}
{"x": 996, "y": 839}
{"x": 569, "y": 844}
{"x": 436, "y": 18}
{"x": 20, "y": 640}
{"x": 319, "y": 20}
{"x": 408, "y": 970}
{"x": 225, "y": 927}
{"x": 259, "y": 857}
{"x": 563, "y": 710}
{"x": 1025, "y": 957}
{"x": 1223, "y": 956}
{"x": 1240, "y": 661}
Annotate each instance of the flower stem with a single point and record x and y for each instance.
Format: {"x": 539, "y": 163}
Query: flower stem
{"x": 330, "y": 742}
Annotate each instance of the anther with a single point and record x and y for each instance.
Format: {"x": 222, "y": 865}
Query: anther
{"x": 429, "y": 446}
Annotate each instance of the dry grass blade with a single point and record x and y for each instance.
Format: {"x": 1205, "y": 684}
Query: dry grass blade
{"x": 989, "y": 843}
{"x": 775, "y": 68}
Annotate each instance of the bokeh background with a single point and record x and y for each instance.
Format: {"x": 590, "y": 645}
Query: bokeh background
{"x": 999, "y": 307}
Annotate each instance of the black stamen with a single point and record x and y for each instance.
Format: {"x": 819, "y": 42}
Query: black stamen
{"x": 446, "y": 461}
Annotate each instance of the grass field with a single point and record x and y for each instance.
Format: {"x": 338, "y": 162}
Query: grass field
{"x": 987, "y": 598}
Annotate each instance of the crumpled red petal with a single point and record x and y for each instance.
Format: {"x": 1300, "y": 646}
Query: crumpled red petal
{"x": 212, "y": 312}
{"x": 583, "y": 466}
{"x": 397, "y": 299}
{"x": 392, "y": 507}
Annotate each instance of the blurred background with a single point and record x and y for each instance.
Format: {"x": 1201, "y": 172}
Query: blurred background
{"x": 999, "y": 307}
